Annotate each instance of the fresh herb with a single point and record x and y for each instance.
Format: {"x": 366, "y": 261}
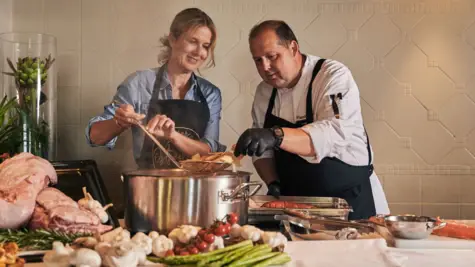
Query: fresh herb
{"x": 36, "y": 239}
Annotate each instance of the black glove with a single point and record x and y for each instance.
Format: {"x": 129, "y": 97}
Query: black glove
{"x": 273, "y": 189}
{"x": 255, "y": 141}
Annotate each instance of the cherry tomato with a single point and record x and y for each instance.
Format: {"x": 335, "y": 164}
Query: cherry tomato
{"x": 193, "y": 250}
{"x": 232, "y": 218}
{"x": 220, "y": 230}
{"x": 209, "y": 238}
{"x": 202, "y": 246}
{"x": 178, "y": 249}
{"x": 169, "y": 253}
{"x": 227, "y": 228}
{"x": 184, "y": 253}
{"x": 202, "y": 233}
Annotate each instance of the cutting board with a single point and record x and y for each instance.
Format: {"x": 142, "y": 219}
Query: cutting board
{"x": 435, "y": 242}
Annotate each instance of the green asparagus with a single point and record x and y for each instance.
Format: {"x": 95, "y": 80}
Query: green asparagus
{"x": 177, "y": 260}
{"x": 279, "y": 259}
{"x": 236, "y": 254}
{"x": 257, "y": 250}
{"x": 206, "y": 261}
{"x": 242, "y": 254}
{"x": 255, "y": 259}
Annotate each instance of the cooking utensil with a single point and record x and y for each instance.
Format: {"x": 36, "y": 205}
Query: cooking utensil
{"x": 162, "y": 199}
{"x": 332, "y": 229}
{"x": 163, "y": 149}
{"x": 412, "y": 227}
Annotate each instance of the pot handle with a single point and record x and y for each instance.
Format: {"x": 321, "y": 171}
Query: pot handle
{"x": 239, "y": 190}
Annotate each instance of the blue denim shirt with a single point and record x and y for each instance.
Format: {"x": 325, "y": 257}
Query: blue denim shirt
{"x": 137, "y": 90}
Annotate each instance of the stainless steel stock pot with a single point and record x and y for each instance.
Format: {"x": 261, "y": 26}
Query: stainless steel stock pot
{"x": 162, "y": 199}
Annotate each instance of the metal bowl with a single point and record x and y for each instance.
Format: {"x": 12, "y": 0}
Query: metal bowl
{"x": 412, "y": 227}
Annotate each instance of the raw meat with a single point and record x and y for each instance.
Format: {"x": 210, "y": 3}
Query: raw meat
{"x": 22, "y": 177}
{"x": 456, "y": 229}
{"x": 56, "y": 211}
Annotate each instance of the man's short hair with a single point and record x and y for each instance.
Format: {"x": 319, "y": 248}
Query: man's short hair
{"x": 281, "y": 29}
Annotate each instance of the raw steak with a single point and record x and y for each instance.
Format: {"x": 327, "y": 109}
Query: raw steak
{"x": 56, "y": 211}
{"x": 22, "y": 177}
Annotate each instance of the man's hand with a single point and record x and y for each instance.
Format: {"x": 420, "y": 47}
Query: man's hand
{"x": 255, "y": 141}
{"x": 161, "y": 126}
{"x": 125, "y": 116}
{"x": 273, "y": 189}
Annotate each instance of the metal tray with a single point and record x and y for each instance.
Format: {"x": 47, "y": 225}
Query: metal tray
{"x": 329, "y": 207}
{"x": 332, "y": 229}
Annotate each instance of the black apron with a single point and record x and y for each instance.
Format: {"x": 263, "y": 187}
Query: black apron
{"x": 190, "y": 117}
{"x": 329, "y": 178}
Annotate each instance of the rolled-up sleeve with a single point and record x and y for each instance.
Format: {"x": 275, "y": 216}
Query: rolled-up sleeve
{"x": 258, "y": 113}
{"x": 122, "y": 96}
{"x": 330, "y": 135}
{"x": 211, "y": 135}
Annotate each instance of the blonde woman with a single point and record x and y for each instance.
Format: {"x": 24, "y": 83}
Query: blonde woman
{"x": 178, "y": 107}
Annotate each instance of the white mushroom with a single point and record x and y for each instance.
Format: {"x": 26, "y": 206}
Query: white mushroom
{"x": 85, "y": 257}
{"x": 274, "y": 239}
{"x": 58, "y": 256}
{"x": 87, "y": 242}
{"x": 153, "y": 234}
{"x": 123, "y": 255}
{"x": 251, "y": 232}
{"x": 110, "y": 236}
{"x": 235, "y": 231}
{"x": 183, "y": 233}
{"x": 143, "y": 241}
{"x": 217, "y": 244}
{"x": 102, "y": 248}
{"x": 161, "y": 245}
{"x": 117, "y": 235}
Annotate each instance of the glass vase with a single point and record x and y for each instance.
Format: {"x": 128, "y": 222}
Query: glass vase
{"x": 29, "y": 69}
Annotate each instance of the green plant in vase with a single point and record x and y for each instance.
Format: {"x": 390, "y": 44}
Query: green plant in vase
{"x": 31, "y": 74}
{"x": 10, "y": 138}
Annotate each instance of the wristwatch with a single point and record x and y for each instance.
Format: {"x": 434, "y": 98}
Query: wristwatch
{"x": 279, "y": 136}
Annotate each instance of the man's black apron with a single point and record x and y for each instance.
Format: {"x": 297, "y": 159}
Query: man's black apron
{"x": 190, "y": 117}
{"x": 329, "y": 178}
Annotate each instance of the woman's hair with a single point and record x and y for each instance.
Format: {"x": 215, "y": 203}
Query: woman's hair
{"x": 186, "y": 20}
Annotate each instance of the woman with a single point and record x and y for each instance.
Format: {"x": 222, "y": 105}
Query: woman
{"x": 179, "y": 108}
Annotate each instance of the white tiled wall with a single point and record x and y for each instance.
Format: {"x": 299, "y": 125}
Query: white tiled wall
{"x": 414, "y": 61}
{"x": 5, "y": 15}
{"x": 5, "y": 20}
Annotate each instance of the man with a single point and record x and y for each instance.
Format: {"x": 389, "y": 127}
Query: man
{"x": 308, "y": 137}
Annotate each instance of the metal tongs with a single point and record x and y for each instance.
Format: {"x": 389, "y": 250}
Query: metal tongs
{"x": 326, "y": 225}
{"x": 164, "y": 150}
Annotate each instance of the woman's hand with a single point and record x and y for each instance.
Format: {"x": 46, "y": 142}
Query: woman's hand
{"x": 125, "y": 116}
{"x": 161, "y": 126}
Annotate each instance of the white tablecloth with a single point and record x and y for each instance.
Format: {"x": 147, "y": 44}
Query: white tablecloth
{"x": 367, "y": 253}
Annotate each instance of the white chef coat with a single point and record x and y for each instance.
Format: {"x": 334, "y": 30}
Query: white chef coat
{"x": 342, "y": 138}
